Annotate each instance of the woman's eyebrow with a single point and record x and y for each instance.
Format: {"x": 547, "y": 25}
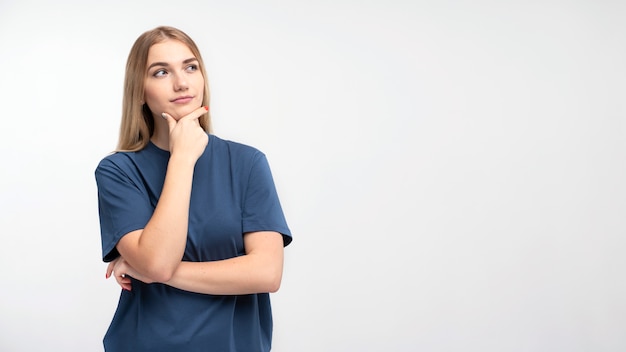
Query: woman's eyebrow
{"x": 191, "y": 59}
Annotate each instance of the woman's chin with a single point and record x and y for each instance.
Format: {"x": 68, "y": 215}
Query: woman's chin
{"x": 183, "y": 111}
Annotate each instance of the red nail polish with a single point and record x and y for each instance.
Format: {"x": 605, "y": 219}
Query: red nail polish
{"x": 206, "y": 108}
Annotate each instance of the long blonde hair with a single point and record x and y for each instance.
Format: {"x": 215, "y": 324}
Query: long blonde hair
{"x": 137, "y": 124}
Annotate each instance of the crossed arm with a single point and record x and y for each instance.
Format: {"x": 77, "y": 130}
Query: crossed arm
{"x": 154, "y": 253}
{"x": 259, "y": 270}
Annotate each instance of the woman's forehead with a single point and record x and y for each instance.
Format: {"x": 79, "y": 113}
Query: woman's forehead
{"x": 169, "y": 51}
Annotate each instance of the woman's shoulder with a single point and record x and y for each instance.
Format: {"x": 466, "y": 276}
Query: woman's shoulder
{"x": 121, "y": 161}
{"x": 239, "y": 156}
{"x": 150, "y": 153}
{"x": 236, "y": 149}
{"x": 116, "y": 158}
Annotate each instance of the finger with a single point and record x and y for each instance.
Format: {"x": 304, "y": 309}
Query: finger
{"x": 194, "y": 115}
{"x": 126, "y": 286}
{"x": 171, "y": 123}
{"x": 111, "y": 267}
{"x": 109, "y": 270}
{"x": 124, "y": 281}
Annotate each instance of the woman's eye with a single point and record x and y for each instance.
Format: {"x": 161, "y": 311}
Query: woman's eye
{"x": 159, "y": 73}
{"x": 192, "y": 68}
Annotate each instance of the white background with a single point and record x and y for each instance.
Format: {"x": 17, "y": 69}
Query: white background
{"x": 453, "y": 171}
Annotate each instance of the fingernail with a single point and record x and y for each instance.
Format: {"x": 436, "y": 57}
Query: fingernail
{"x": 206, "y": 108}
{"x": 163, "y": 115}
{"x": 106, "y": 275}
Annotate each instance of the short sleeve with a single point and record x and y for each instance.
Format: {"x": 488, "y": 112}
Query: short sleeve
{"x": 262, "y": 210}
{"x": 123, "y": 205}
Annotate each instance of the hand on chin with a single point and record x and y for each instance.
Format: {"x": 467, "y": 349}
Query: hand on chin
{"x": 182, "y": 111}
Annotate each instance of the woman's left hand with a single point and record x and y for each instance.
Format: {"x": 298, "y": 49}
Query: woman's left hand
{"x": 122, "y": 271}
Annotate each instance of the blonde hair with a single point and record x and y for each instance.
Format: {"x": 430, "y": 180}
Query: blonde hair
{"x": 137, "y": 124}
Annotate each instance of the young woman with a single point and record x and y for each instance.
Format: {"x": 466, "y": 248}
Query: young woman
{"x": 191, "y": 224}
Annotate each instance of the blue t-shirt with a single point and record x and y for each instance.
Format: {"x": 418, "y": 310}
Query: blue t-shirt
{"x": 233, "y": 193}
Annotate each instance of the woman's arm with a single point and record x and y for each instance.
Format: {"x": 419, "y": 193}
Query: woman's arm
{"x": 259, "y": 270}
{"x": 156, "y": 251}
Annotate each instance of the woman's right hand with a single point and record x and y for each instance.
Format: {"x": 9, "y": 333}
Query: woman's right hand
{"x": 187, "y": 137}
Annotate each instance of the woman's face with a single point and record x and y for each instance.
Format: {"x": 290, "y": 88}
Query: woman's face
{"x": 174, "y": 82}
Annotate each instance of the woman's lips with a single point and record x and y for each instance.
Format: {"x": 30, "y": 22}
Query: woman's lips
{"x": 182, "y": 100}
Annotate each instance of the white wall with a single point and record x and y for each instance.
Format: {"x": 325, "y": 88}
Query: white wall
{"x": 453, "y": 171}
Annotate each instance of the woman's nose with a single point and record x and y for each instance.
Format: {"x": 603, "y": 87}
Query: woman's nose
{"x": 180, "y": 83}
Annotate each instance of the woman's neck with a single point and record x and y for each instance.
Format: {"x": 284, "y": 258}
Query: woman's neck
{"x": 161, "y": 135}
